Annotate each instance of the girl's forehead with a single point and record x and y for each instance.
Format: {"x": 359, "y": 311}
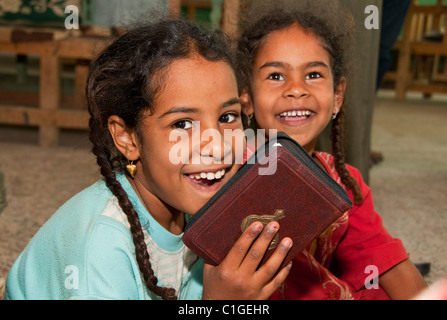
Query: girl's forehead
{"x": 293, "y": 41}
{"x": 195, "y": 83}
{"x": 293, "y": 34}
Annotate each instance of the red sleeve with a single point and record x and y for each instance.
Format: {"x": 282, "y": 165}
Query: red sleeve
{"x": 366, "y": 241}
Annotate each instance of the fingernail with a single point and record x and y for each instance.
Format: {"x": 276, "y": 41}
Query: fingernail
{"x": 287, "y": 243}
{"x": 272, "y": 228}
{"x": 257, "y": 227}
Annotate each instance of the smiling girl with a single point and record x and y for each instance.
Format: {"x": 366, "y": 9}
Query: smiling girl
{"x": 294, "y": 64}
{"x": 121, "y": 238}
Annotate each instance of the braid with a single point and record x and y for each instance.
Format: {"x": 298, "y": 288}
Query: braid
{"x": 103, "y": 157}
{"x": 337, "y": 137}
{"x": 136, "y": 229}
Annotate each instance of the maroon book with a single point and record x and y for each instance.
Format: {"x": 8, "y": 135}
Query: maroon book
{"x": 279, "y": 182}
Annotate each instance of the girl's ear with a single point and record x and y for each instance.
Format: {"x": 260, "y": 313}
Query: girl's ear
{"x": 125, "y": 139}
{"x": 339, "y": 94}
{"x": 247, "y": 104}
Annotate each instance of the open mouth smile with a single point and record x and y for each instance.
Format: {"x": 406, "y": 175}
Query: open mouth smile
{"x": 207, "y": 181}
{"x": 296, "y": 114}
{"x": 295, "y": 117}
{"x": 208, "y": 175}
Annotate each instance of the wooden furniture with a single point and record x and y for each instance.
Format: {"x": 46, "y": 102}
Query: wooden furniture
{"x": 55, "y": 45}
{"x": 48, "y": 115}
{"x": 422, "y": 56}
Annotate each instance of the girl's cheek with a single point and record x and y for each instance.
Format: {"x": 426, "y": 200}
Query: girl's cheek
{"x": 179, "y": 147}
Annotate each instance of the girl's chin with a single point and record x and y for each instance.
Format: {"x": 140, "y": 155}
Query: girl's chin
{"x": 195, "y": 204}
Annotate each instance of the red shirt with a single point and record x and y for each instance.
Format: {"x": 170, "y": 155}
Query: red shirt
{"x": 338, "y": 263}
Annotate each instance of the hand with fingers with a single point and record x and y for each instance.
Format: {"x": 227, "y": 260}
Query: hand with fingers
{"x": 238, "y": 276}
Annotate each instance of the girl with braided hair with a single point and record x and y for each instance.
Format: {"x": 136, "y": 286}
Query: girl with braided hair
{"x": 294, "y": 65}
{"x": 121, "y": 238}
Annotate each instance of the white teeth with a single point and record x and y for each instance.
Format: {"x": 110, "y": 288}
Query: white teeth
{"x": 208, "y": 175}
{"x": 295, "y": 113}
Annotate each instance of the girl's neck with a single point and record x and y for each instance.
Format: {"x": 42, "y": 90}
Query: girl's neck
{"x": 168, "y": 217}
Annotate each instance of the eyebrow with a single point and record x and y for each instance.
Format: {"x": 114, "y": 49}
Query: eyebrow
{"x": 317, "y": 64}
{"x": 276, "y": 64}
{"x": 226, "y": 104}
{"x": 231, "y": 102}
{"x": 273, "y": 64}
{"x": 179, "y": 110}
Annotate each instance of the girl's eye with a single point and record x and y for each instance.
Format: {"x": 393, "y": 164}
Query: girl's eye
{"x": 276, "y": 76}
{"x": 313, "y": 75}
{"x": 228, "y": 117}
{"x": 182, "y": 124}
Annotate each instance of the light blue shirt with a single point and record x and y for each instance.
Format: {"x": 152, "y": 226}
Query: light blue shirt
{"x": 85, "y": 251}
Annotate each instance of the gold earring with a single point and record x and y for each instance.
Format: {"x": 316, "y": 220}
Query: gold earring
{"x": 131, "y": 168}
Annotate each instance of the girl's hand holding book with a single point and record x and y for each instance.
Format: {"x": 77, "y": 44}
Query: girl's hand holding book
{"x": 238, "y": 276}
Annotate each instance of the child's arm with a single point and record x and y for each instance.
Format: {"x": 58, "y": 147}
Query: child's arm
{"x": 403, "y": 281}
{"x": 237, "y": 278}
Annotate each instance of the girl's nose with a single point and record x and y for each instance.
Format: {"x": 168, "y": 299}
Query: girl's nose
{"x": 209, "y": 146}
{"x": 295, "y": 88}
{"x": 214, "y": 147}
